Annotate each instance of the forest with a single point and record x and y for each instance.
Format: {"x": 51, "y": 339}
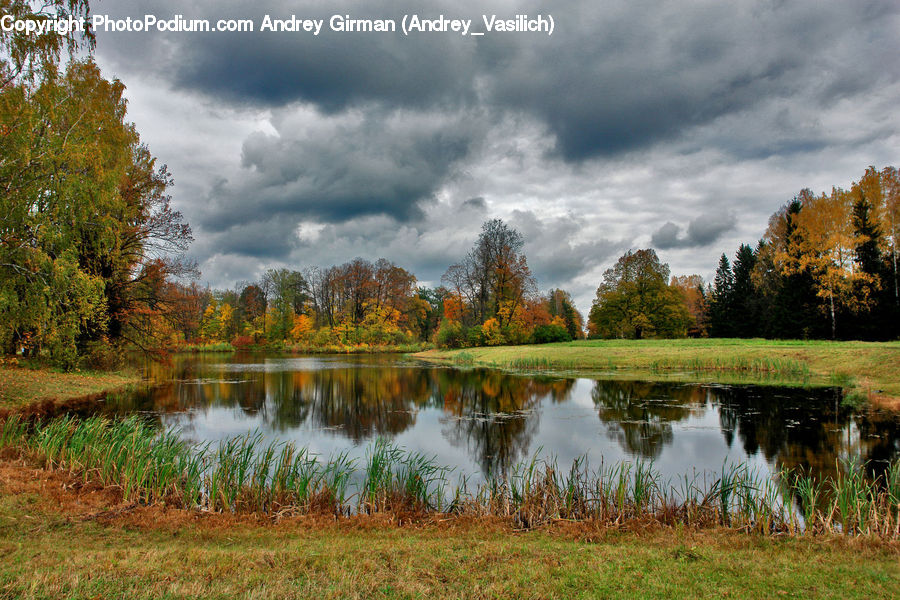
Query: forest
{"x": 93, "y": 257}
{"x": 825, "y": 268}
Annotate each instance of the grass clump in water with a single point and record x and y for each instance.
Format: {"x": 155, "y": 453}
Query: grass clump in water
{"x": 396, "y": 479}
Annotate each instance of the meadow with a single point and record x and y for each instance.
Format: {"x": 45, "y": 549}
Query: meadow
{"x": 865, "y": 370}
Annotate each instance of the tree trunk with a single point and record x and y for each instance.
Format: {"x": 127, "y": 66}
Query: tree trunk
{"x": 894, "y": 257}
{"x": 833, "y": 325}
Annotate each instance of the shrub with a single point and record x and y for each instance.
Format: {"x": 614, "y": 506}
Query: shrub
{"x": 102, "y": 356}
{"x": 241, "y": 342}
{"x": 493, "y": 335}
{"x": 545, "y": 334}
{"x": 450, "y": 334}
{"x": 475, "y": 336}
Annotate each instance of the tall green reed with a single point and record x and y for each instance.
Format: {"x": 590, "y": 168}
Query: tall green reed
{"x": 248, "y": 474}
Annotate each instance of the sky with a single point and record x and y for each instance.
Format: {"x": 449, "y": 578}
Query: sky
{"x": 680, "y": 126}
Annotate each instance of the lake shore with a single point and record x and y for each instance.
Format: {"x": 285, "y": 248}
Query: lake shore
{"x": 22, "y": 386}
{"x": 865, "y": 370}
{"x": 62, "y": 537}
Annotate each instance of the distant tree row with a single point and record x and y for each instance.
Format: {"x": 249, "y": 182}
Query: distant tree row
{"x": 359, "y": 302}
{"x": 491, "y": 299}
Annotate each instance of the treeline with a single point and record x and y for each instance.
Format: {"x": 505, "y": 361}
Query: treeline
{"x": 359, "y": 302}
{"x": 826, "y": 268}
{"x": 489, "y": 298}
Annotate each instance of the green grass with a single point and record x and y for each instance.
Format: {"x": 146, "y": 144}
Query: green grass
{"x": 864, "y": 369}
{"x": 24, "y": 384}
{"x": 54, "y": 558}
{"x": 244, "y": 475}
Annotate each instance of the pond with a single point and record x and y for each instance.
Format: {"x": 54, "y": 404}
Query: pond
{"x": 481, "y": 422}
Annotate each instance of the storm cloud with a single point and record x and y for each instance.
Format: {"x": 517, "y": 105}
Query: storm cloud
{"x": 681, "y": 125}
{"x": 702, "y": 231}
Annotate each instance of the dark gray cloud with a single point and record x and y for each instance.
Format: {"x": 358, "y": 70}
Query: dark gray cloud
{"x": 702, "y": 231}
{"x": 667, "y": 237}
{"x": 333, "y": 70}
{"x": 269, "y": 239}
{"x": 613, "y": 78}
{"x": 649, "y": 71}
{"x": 477, "y": 203}
{"x": 340, "y": 167}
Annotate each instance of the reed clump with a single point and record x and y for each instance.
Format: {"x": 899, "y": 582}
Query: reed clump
{"x": 784, "y": 367}
{"x": 249, "y": 474}
{"x": 556, "y": 364}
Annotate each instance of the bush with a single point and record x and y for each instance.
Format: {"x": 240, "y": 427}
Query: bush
{"x": 324, "y": 337}
{"x": 515, "y": 334}
{"x": 545, "y": 334}
{"x": 241, "y": 342}
{"x": 102, "y": 356}
{"x": 493, "y": 335}
{"x": 475, "y": 336}
{"x": 450, "y": 334}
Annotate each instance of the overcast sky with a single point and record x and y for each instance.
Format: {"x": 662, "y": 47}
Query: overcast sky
{"x": 677, "y": 125}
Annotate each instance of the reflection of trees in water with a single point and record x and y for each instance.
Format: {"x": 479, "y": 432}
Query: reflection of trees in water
{"x": 492, "y": 413}
{"x": 805, "y": 428}
{"x": 489, "y": 412}
{"x": 771, "y": 420}
{"x": 639, "y": 415}
{"x": 362, "y": 402}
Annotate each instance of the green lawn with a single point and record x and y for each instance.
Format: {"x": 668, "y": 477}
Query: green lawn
{"x": 870, "y": 368}
{"x": 61, "y": 540}
{"x": 21, "y": 385}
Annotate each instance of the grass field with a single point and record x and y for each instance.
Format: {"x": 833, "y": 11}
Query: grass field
{"x": 22, "y": 385}
{"x": 861, "y": 368}
{"x": 60, "y": 538}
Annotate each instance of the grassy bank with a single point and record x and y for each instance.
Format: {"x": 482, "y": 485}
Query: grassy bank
{"x": 60, "y": 537}
{"x": 862, "y": 368}
{"x": 245, "y": 475}
{"x": 24, "y": 385}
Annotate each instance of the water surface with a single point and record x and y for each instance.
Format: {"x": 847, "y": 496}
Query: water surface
{"x": 482, "y": 421}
